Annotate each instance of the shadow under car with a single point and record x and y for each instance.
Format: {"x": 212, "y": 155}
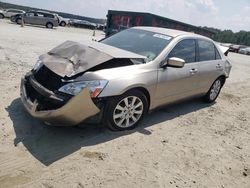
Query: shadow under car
{"x": 49, "y": 144}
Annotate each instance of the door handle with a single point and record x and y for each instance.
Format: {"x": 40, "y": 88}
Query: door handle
{"x": 193, "y": 71}
{"x": 218, "y": 66}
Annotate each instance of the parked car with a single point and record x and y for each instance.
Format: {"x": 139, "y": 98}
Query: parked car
{"x": 100, "y": 27}
{"x": 37, "y": 18}
{"x": 63, "y": 21}
{"x": 84, "y": 24}
{"x": 236, "y": 48}
{"x": 119, "y": 79}
{"x": 10, "y": 12}
{"x": 245, "y": 51}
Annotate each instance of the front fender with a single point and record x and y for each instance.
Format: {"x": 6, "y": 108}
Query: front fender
{"x": 119, "y": 86}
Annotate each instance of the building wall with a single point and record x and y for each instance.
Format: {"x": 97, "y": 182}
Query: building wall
{"x": 119, "y": 20}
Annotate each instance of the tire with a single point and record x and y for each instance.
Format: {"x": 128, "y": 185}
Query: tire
{"x": 1, "y": 16}
{"x": 49, "y": 25}
{"x": 214, "y": 91}
{"x": 19, "y": 21}
{"x": 63, "y": 24}
{"x": 126, "y": 111}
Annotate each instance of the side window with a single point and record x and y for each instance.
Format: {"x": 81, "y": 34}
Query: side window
{"x": 39, "y": 15}
{"x": 48, "y": 15}
{"x": 206, "y": 50}
{"x": 185, "y": 49}
{"x": 30, "y": 14}
{"x": 217, "y": 54}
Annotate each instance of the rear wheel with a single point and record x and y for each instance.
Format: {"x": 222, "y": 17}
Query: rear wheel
{"x": 126, "y": 111}
{"x": 1, "y": 16}
{"x": 214, "y": 91}
{"x": 49, "y": 25}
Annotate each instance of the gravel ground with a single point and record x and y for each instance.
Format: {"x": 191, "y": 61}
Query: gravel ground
{"x": 191, "y": 144}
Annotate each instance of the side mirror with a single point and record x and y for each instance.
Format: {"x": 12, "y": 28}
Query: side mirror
{"x": 173, "y": 62}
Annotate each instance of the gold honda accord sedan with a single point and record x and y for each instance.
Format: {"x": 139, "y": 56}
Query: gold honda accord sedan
{"x": 120, "y": 78}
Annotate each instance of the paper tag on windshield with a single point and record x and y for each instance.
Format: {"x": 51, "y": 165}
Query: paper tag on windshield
{"x": 162, "y": 36}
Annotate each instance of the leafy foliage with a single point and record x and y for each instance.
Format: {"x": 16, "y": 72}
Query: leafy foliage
{"x": 228, "y": 36}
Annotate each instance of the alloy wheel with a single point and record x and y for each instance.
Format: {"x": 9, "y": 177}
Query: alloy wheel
{"x": 128, "y": 111}
{"x": 215, "y": 89}
{"x": 49, "y": 25}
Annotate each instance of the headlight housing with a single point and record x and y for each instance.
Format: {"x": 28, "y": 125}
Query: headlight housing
{"x": 95, "y": 87}
{"x": 38, "y": 65}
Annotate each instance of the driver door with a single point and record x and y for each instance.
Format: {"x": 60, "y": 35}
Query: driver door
{"x": 30, "y": 18}
{"x": 178, "y": 83}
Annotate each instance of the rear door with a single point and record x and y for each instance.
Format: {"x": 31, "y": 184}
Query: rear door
{"x": 40, "y": 18}
{"x": 178, "y": 83}
{"x": 210, "y": 63}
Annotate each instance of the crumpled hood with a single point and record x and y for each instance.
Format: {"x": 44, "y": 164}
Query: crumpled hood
{"x": 71, "y": 58}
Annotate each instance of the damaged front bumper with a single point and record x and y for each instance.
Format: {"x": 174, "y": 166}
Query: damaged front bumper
{"x": 73, "y": 112}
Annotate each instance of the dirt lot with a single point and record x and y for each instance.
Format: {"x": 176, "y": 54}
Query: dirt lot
{"x": 184, "y": 145}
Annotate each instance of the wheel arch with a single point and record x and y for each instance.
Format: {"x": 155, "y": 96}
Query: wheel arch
{"x": 49, "y": 23}
{"x": 223, "y": 78}
{"x": 111, "y": 102}
{"x": 144, "y": 91}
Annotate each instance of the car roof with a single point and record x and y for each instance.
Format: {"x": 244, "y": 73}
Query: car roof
{"x": 15, "y": 9}
{"x": 41, "y": 11}
{"x": 169, "y": 32}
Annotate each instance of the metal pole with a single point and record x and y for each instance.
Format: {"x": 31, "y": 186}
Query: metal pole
{"x": 22, "y": 22}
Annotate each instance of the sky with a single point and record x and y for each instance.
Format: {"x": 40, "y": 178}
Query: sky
{"x": 222, "y": 14}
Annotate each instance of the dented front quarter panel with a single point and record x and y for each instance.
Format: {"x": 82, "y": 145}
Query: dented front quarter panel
{"x": 76, "y": 110}
{"x": 122, "y": 79}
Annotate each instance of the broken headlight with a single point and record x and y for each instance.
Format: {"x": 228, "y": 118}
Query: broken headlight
{"x": 95, "y": 87}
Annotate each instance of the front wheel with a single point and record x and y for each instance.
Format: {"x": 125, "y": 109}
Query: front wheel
{"x": 63, "y": 24}
{"x": 126, "y": 111}
{"x": 214, "y": 91}
{"x": 19, "y": 21}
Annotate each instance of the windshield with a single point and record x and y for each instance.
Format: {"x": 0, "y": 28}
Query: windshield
{"x": 146, "y": 43}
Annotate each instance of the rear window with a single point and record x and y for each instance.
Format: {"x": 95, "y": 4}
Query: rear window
{"x": 206, "y": 50}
